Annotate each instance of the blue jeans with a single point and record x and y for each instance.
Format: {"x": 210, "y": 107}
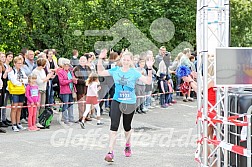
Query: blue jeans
{"x": 67, "y": 108}
{"x": 147, "y": 102}
{"x": 162, "y": 99}
{"x": 106, "y": 102}
{"x": 178, "y": 82}
{"x": 168, "y": 98}
{"x": 5, "y": 97}
{"x": 50, "y": 93}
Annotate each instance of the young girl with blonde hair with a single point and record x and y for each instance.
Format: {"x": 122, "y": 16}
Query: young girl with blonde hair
{"x": 32, "y": 95}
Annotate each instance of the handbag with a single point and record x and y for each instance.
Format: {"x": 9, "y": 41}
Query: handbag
{"x": 14, "y": 89}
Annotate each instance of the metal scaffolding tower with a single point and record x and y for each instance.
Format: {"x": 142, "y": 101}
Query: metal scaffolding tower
{"x": 212, "y": 31}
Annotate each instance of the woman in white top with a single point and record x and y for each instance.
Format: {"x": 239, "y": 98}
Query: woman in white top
{"x": 42, "y": 80}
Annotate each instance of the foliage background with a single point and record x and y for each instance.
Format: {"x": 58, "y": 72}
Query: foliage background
{"x": 42, "y": 24}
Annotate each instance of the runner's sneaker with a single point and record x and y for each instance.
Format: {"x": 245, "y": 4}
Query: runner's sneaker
{"x": 127, "y": 150}
{"x": 109, "y": 157}
{"x": 19, "y": 126}
{"x": 14, "y": 128}
{"x": 82, "y": 125}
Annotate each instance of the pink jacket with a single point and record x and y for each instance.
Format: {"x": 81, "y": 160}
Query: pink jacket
{"x": 64, "y": 82}
{"x": 28, "y": 93}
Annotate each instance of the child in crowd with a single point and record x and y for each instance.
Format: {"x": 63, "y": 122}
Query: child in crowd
{"x": 163, "y": 89}
{"x": 91, "y": 98}
{"x": 32, "y": 95}
{"x": 168, "y": 97}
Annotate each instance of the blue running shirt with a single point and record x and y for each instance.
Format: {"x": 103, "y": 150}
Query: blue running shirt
{"x": 125, "y": 84}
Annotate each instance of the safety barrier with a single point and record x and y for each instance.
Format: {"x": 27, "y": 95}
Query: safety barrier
{"x": 76, "y": 102}
{"x": 237, "y": 153}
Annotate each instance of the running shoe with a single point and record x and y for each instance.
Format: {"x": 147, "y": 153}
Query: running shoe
{"x": 109, "y": 157}
{"x": 127, "y": 151}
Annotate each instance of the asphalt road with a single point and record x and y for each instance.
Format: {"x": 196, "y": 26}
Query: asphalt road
{"x": 162, "y": 137}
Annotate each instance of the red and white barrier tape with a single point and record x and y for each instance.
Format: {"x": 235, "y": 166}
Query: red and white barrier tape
{"x": 231, "y": 120}
{"x": 227, "y": 146}
{"x": 75, "y": 102}
{"x": 231, "y": 147}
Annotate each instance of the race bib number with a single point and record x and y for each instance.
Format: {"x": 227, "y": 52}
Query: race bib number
{"x": 34, "y": 92}
{"x": 124, "y": 95}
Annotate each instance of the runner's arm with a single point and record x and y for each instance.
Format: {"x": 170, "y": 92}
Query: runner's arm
{"x": 147, "y": 79}
{"x": 100, "y": 69}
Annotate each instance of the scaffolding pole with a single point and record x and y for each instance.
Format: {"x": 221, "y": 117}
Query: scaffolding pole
{"x": 212, "y": 31}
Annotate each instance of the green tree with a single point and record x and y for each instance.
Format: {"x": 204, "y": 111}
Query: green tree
{"x": 60, "y": 24}
{"x": 241, "y": 23}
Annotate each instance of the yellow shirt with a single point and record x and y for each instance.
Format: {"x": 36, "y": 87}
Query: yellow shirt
{"x": 55, "y": 59}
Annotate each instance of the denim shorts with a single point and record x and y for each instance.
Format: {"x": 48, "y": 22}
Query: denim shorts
{"x": 17, "y": 98}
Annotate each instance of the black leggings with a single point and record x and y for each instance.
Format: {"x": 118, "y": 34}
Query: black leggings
{"x": 115, "y": 115}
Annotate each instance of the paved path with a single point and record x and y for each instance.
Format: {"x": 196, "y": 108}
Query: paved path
{"x": 162, "y": 137}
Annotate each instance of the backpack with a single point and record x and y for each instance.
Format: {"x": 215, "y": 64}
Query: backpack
{"x": 45, "y": 117}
